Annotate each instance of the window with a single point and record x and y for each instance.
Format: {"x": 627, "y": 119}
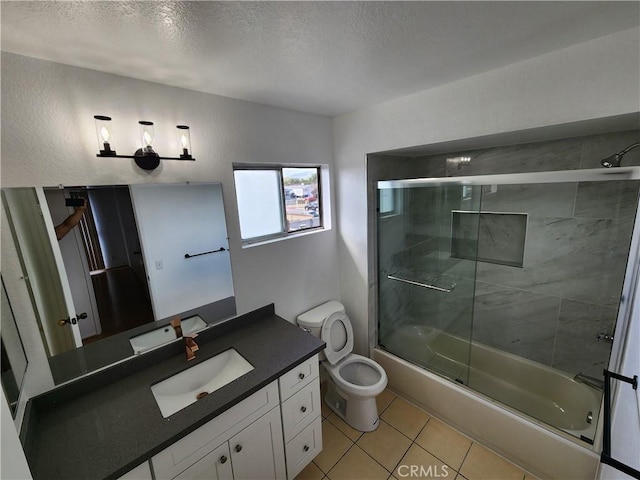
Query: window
{"x": 275, "y": 201}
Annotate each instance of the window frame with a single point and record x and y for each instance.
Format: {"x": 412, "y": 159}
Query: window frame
{"x": 285, "y": 233}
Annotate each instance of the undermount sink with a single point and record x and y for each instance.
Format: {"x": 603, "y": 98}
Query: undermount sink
{"x": 189, "y": 386}
{"x": 165, "y": 334}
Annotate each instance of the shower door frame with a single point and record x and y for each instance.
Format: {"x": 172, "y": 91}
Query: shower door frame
{"x": 632, "y": 270}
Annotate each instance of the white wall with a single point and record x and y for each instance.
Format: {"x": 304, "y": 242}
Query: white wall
{"x": 174, "y": 220}
{"x": 594, "y": 79}
{"x": 49, "y": 138}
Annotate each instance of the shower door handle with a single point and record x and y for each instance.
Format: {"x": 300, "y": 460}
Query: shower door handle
{"x": 605, "y": 456}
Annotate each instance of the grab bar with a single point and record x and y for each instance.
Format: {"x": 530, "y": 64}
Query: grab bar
{"x": 423, "y": 285}
{"x": 605, "y": 456}
{"x": 221, "y": 249}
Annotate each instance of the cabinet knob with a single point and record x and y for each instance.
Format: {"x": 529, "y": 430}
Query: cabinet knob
{"x": 303, "y": 409}
{"x": 238, "y": 448}
{"x": 301, "y": 376}
{"x": 223, "y": 459}
{"x": 306, "y": 448}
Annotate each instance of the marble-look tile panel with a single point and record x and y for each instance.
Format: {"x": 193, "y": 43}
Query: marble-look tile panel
{"x": 430, "y": 166}
{"x": 531, "y": 157}
{"x": 388, "y": 167}
{"x": 449, "y": 312}
{"x": 501, "y": 238}
{"x": 597, "y": 147}
{"x": 578, "y": 258}
{"x": 516, "y": 321}
{"x": 534, "y": 199}
{"x": 613, "y": 199}
{"x": 394, "y": 306}
{"x": 577, "y": 350}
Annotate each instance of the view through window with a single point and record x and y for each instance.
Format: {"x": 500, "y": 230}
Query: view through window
{"x": 276, "y": 201}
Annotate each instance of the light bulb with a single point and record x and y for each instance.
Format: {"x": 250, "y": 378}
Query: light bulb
{"x": 183, "y": 141}
{"x": 148, "y": 140}
{"x": 105, "y": 134}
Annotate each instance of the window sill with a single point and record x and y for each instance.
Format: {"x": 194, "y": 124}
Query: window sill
{"x": 286, "y": 237}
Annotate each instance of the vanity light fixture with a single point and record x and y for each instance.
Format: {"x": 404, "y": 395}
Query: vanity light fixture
{"x": 145, "y": 157}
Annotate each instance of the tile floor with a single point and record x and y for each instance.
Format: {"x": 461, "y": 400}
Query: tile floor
{"x": 407, "y": 438}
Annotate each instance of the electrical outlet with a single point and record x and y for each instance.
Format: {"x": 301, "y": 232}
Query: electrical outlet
{"x": 159, "y": 265}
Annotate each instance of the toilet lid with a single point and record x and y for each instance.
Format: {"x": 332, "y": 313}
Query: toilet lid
{"x": 337, "y": 333}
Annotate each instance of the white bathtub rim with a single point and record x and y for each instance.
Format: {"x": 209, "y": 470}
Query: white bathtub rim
{"x": 593, "y": 431}
{"x": 560, "y": 436}
{"x": 495, "y": 404}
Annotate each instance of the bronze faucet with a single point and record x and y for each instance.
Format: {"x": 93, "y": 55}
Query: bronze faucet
{"x": 190, "y": 345}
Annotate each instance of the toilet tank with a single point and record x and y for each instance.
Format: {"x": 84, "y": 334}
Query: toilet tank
{"x": 313, "y": 319}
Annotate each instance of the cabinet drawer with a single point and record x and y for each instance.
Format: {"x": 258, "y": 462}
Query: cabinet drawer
{"x": 299, "y": 410}
{"x": 298, "y": 377}
{"x": 304, "y": 447}
{"x": 194, "y": 446}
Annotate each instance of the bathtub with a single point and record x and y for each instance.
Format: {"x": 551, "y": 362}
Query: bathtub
{"x": 527, "y": 412}
{"x": 529, "y": 387}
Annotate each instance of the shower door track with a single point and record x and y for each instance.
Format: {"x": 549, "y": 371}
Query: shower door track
{"x": 560, "y": 176}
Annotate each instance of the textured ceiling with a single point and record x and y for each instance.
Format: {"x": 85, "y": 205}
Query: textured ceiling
{"x": 321, "y": 57}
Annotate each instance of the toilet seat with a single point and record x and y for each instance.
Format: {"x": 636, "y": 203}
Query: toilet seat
{"x": 337, "y": 333}
{"x": 371, "y": 390}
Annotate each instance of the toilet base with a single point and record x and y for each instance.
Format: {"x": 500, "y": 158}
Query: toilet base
{"x": 359, "y": 413}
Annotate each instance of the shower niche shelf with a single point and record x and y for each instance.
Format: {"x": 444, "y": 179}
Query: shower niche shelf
{"x": 432, "y": 282}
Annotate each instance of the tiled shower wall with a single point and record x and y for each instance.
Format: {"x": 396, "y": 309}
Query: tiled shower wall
{"x": 567, "y": 291}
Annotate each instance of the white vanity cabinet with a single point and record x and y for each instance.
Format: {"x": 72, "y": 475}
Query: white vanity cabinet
{"x": 301, "y": 418}
{"x": 249, "y": 441}
{"x": 243, "y": 442}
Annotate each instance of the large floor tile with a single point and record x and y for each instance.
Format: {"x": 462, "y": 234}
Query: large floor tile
{"x": 334, "y": 445}
{"x": 384, "y": 399}
{"x": 483, "y": 464}
{"x": 310, "y": 472}
{"x": 418, "y": 463}
{"x": 405, "y": 417}
{"x": 357, "y": 465}
{"x": 444, "y": 442}
{"x": 344, "y": 427}
{"x": 386, "y": 444}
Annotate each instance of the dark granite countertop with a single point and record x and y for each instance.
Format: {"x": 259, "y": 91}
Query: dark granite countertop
{"x": 105, "y": 424}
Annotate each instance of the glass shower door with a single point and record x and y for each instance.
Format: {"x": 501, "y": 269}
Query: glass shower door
{"x": 427, "y": 248}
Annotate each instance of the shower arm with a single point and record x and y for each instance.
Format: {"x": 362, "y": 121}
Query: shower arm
{"x": 630, "y": 147}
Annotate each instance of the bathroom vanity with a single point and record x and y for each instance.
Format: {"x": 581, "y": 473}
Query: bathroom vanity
{"x": 264, "y": 424}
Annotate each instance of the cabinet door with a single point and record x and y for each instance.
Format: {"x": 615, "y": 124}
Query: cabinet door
{"x": 257, "y": 452}
{"x": 213, "y": 466}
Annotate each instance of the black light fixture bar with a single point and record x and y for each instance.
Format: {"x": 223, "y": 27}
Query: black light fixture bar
{"x": 138, "y": 156}
{"x": 145, "y": 157}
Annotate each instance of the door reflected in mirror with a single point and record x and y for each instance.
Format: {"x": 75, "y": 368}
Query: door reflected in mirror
{"x": 102, "y": 258}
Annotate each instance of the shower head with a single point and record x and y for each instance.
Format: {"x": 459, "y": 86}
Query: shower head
{"x": 615, "y": 159}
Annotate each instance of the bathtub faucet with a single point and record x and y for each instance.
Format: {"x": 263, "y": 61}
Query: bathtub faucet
{"x": 591, "y": 381}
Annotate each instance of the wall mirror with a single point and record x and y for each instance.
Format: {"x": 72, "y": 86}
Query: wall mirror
{"x": 14, "y": 359}
{"x": 108, "y": 263}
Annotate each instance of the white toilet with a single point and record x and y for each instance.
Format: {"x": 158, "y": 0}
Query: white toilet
{"x": 354, "y": 380}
